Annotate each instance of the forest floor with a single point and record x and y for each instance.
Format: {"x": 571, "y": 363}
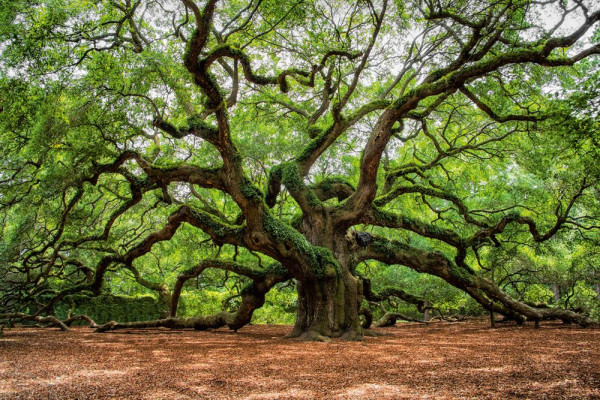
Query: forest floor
{"x": 464, "y": 360}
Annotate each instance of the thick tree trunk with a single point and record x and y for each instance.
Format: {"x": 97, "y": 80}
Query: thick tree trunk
{"x": 329, "y": 301}
{"x": 556, "y": 292}
{"x": 328, "y": 307}
{"x": 426, "y": 312}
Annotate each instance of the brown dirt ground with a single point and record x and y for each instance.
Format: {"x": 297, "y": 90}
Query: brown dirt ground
{"x": 466, "y": 360}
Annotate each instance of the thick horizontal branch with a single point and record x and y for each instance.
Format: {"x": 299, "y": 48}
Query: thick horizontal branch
{"x": 253, "y": 297}
{"x": 484, "y": 291}
{"x": 261, "y": 277}
{"x": 387, "y": 292}
{"x": 330, "y": 188}
{"x": 377, "y": 216}
{"x": 50, "y": 319}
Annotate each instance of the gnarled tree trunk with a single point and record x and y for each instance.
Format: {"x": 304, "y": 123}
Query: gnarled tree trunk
{"x": 329, "y": 301}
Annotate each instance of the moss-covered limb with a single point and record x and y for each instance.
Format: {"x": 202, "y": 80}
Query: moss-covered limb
{"x": 461, "y": 73}
{"x": 328, "y": 135}
{"x": 368, "y": 317}
{"x": 496, "y": 294}
{"x": 326, "y": 94}
{"x": 433, "y": 263}
{"x": 273, "y": 185}
{"x": 253, "y": 297}
{"x": 422, "y": 114}
{"x": 195, "y": 126}
{"x": 200, "y": 323}
{"x": 289, "y": 175}
{"x": 377, "y": 216}
{"x": 366, "y": 189}
{"x": 292, "y": 179}
{"x": 50, "y": 319}
{"x": 219, "y": 231}
{"x": 82, "y": 317}
{"x": 433, "y": 192}
{"x": 395, "y": 252}
{"x": 234, "y": 177}
{"x": 449, "y": 82}
{"x": 329, "y": 188}
{"x": 320, "y": 142}
{"x": 92, "y": 178}
{"x": 200, "y": 36}
{"x": 268, "y": 276}
{"x": 156, "y": 176}
{"x": 484, "y": 291}
{"x": 203, "y": 177}
{"x": 390, "y": 319}
{"x": 387, "y": 292}
{"x": 291, "y": 248}
{"x": 303, "y": 77}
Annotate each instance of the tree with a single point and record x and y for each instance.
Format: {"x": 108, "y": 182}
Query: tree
{"x": 303, "y": 138}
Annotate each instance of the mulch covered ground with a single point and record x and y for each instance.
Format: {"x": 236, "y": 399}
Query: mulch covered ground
{"x": 465, "y": 360}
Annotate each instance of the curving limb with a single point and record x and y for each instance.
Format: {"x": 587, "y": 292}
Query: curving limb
{"x": 484, "y": 291}
{"x": 252, "y": 297}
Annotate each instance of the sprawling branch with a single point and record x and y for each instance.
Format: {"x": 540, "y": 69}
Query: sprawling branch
{"x": 449, "y": 81}
{"x": 220, "y": 233}
{"x": 253, "y": 297}
{"x": 484, "y": 291}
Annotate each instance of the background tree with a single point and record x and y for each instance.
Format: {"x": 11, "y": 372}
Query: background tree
{"x": 301, "y": 140}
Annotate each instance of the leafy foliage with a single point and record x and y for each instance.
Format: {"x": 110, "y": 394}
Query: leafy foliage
{"x": 223, "y": 148}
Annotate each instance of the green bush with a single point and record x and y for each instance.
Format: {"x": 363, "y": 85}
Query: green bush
{"x": 110, "y": 307}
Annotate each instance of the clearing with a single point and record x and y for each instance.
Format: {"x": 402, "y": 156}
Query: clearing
{"x": 465, "y": 360}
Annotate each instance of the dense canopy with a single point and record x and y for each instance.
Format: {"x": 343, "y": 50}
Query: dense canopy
{"x": 308, "y": 144}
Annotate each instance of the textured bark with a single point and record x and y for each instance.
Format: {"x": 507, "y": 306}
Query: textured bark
{"x": 556, "y": 292}
{"x": 426, "y": 312}
{"x": 328, "y": 308}
{"x": 368, "y": 317}
{"x": 329, "y": 301}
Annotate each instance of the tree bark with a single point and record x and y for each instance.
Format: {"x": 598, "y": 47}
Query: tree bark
{"x": 556, "y": 292}
{"x": 328, "y": 308}
{"x": 426, "y": 312}
{"x": 329, "y": 302}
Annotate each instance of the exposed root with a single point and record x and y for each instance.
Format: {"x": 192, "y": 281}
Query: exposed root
{"x": 312, "y": 336}
{"x": 352, "y": 335}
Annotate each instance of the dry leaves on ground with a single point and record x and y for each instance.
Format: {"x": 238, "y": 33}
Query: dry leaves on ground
{"x": 465, "y": 360}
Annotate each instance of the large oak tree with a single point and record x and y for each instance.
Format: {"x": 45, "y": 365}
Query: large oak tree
{"x": 310, "y": 135}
